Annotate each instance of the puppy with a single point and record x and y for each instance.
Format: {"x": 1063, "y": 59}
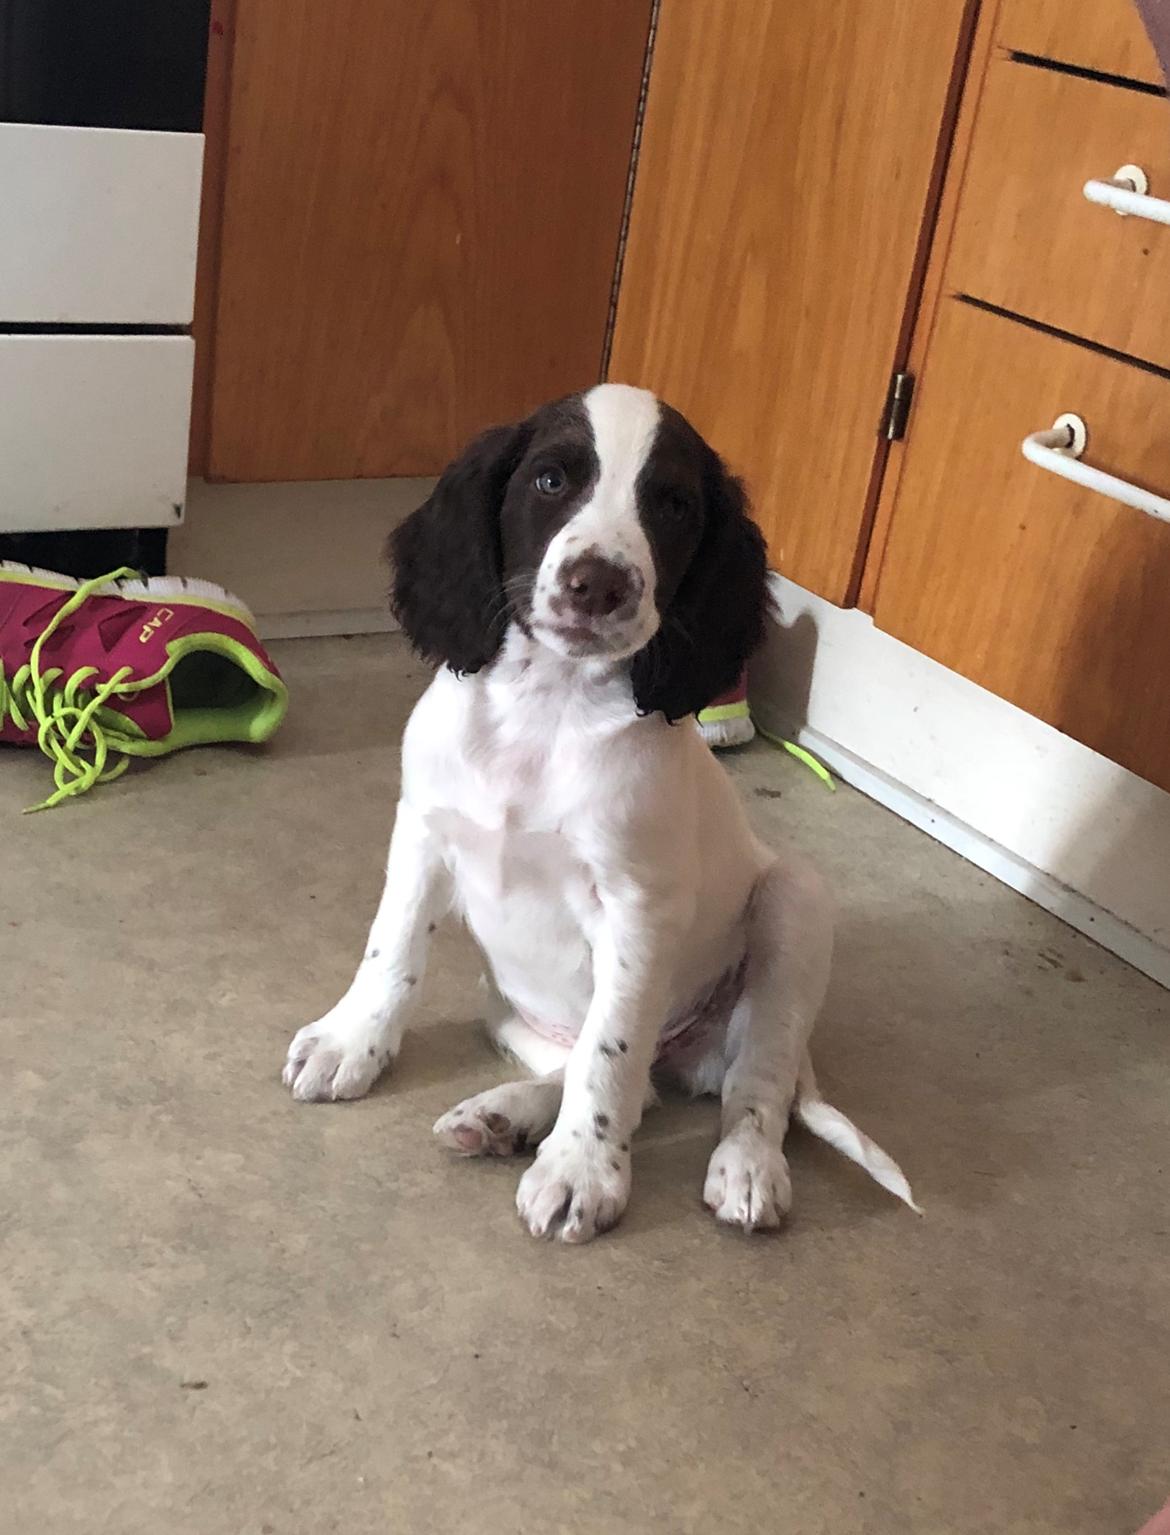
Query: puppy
{"x": 586, "y": 581}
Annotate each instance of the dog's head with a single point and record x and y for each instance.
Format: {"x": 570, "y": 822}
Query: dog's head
{"x": 607, "y": 529}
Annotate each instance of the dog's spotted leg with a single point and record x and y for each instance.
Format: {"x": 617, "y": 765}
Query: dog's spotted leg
{"x": 344, "y": 1053}
{"x": 579, "y": 1185}
{"x": 512, "y": 1118}
{"x": 790, "y": 941}
{"x": 503, "y": 1120}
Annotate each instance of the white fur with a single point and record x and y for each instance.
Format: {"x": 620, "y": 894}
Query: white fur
{"x": 606, "y": 868}
{"x": 624, "y": 422}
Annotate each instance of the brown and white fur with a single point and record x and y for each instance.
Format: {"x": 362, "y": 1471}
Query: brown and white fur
{"x": 585, "y": 579}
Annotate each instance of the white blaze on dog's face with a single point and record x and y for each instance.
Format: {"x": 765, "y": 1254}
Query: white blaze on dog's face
{"x": 596, "y": 583}
{"x": 605, "y": 528}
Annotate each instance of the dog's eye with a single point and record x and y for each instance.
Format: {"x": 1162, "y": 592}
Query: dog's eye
{"x": 550, "y": 482}
{"x": 676, "y": 503}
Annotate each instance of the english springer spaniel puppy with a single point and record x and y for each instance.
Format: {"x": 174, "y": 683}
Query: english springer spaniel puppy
{"x": 586, "y": 581}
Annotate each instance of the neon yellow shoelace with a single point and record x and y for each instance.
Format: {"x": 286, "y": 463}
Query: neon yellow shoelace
{"x": 68, "y": 729}
{"x": 813, "y": 764}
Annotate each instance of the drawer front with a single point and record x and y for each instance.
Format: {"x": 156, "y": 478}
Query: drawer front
{"x": 1027, "y": 238}
{"x": 99, "y": 225}
{"x": 93, "y": 431}
{"x": 1105, "y": 35}
{"x": 1052, "y": 596}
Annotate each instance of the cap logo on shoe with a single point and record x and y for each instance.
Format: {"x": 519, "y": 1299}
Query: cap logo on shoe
{"x": 163, "y": 616}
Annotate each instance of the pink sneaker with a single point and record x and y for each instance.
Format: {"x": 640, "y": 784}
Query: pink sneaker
{"x": 126, "y": 667}
{"x": 727, "y": 721}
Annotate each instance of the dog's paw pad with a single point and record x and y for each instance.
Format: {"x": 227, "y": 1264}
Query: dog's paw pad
{"x": 476, "y": 1132}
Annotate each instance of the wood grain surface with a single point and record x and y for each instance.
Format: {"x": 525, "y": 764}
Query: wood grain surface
{"x": 1105, "y": 35}
{"x": 1051, "y": 596}
{"x": 1028, "y": 240}
{"x": 786, "y": 169}
{"x": 420, "y": 224}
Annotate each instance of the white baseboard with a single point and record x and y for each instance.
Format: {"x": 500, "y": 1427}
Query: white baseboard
{"x": 1070, "y": 830}
{"x": 1002, "y": 864}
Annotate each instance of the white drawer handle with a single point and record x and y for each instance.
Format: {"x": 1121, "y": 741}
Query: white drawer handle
{"x": 1059, "y": 451}
{"x": 1126, "y": 193}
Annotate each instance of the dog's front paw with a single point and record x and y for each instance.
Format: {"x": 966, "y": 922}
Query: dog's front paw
{"x": 335, "y": 1059}
{"x": 576, "y": 1189}
{"x": 747, "y": 1181}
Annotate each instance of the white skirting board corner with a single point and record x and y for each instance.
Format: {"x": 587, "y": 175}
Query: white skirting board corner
{"x": 1002, "y": 864}
{"x": 1070, "y": 830}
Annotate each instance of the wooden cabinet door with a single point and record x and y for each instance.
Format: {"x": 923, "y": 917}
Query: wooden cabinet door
{"x": 1052, "y": 596}
{"x": 421, "y": 211}
{"x": 787, "y": 167}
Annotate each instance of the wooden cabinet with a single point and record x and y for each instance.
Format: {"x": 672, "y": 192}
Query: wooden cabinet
{"x": 419, "y": 213}
{"x": 786, "y": 194}
{"x": 1051, "y": 595}
{"x": 781, "y": 204}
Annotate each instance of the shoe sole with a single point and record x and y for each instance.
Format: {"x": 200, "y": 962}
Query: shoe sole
{"x": 719, "y": 734}
{"x": 177, "y": 589}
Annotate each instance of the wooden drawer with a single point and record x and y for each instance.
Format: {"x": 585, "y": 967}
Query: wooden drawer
{"x": 1028, "y": 240}
{"x": 1049, "y": 595}
{"x": 1105, "y": 35}
{"x": 99, "y": 225}
{"x": 93, "y": 431}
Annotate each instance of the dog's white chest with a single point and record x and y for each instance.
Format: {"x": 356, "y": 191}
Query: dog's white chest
{"x": 505, "y": 778}
{"x": 530, "y": 904}
{"x": 499, "y": 863}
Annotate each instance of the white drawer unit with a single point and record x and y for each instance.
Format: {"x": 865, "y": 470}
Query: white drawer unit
{"x": 99, "y": 234}
{"x": 99, "y": 225}
{"x": 101, "y": 162}
{"x": 93, "y": 430}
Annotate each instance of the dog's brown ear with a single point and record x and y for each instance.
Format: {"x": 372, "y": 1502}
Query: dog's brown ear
{"x": 716, "y": 619}
{"x": 447, "y": 592}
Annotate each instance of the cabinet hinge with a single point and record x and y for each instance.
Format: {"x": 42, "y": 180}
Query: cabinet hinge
{"x": 898, "y": 400}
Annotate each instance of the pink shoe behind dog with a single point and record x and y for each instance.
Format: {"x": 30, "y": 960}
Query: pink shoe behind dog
{"x": 127, "y": 667}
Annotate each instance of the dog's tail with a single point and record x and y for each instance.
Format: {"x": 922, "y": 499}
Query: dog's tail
{"x": 831, "y": 1125}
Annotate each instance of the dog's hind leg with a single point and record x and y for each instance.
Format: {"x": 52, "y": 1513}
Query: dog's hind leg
{"x": 502, "y": 1120}
{"x": 769, "y": 1073}
{"x": 790, "y": 943}
{"x": 516, "y": 1115}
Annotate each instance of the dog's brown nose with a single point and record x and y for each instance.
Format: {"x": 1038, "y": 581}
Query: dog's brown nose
{"x": 594, "y": 586}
